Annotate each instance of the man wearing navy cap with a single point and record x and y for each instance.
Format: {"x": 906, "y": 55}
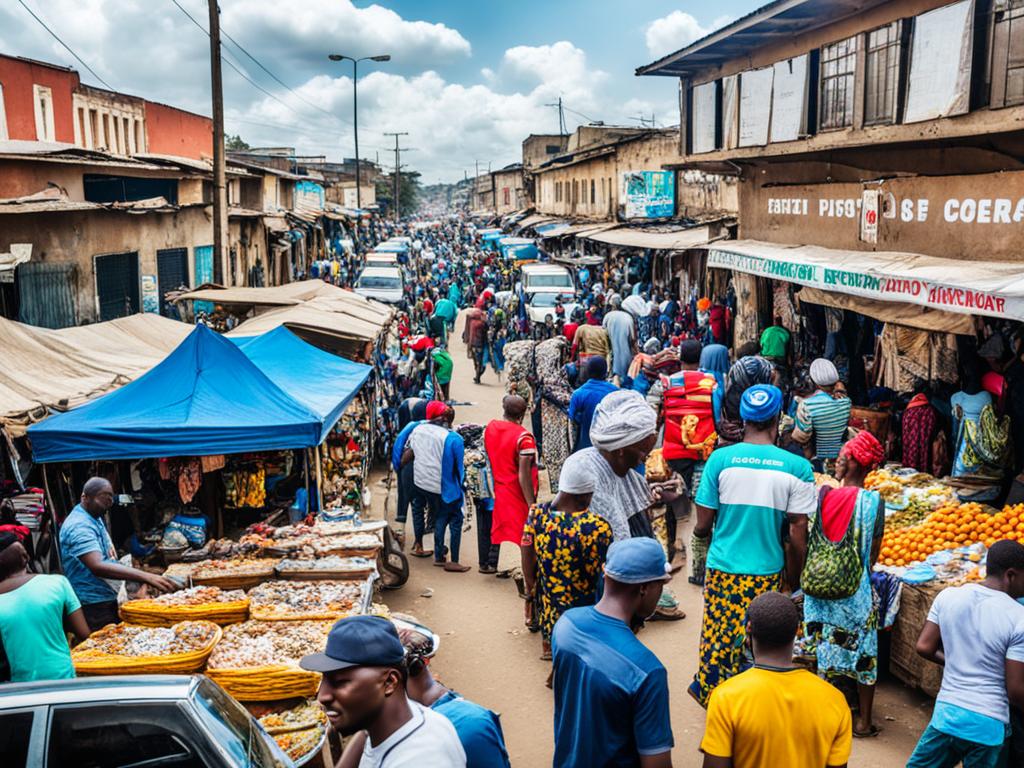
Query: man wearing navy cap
{"x": 748, "y": 493}
{"x": 611, "y": 691}
{"x": 363, "y": 689}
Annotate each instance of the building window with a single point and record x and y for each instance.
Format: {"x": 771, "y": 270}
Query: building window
{"x": 507, "y": 196}
{"x": 552, "y": 149}
{"x": 44, "y": 113}
{"x": 107, "y": 137}
{"x": 593, "y": 192}
{"x": 94, "y": 130}
{"x": 838, "y": 64}
{"x": 1008, "y": 54}
{"x": 3, "y": 116}
{"x": 881, "y": 74}
{"x": 137, "y": 130}
{"x": 125, "y": 146}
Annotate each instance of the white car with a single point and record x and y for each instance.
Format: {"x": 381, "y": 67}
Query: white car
{"x": 541, "y": 305}
{"x": 381, "y": 283}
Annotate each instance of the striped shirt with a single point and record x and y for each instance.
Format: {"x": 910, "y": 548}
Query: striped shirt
{"x": 827, "y": 418}
{"x": 752, "y": 488}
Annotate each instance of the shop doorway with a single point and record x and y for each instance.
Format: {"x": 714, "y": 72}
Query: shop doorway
{"x": 117, "y": 285}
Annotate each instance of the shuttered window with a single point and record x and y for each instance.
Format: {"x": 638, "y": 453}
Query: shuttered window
{"x": 1007, "y": 53}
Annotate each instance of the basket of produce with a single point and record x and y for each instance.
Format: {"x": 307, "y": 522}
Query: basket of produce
{"x": 299, "y": 729}
{"x": 328, "y": 568}
{"x": 259, "y": 660}
{"x": 208, "y": 603}
{"x": 296, "y": 601}
{"x": 120, "y": 649}
{"x": 235, "y": 573}
{"x": 350, "y": 545}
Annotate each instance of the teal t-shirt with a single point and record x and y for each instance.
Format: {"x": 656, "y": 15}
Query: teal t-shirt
{"x": 32, "y": 628}
{"x": 753, "y": 488}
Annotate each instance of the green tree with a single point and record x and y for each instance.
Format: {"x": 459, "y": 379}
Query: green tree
{"x": 408, "y": 190}
{"x": 235, "y": 143}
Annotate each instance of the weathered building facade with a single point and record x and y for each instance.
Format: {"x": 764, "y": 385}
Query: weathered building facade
{"x": 877, "y": 147}
{"x": 509, "y": 190}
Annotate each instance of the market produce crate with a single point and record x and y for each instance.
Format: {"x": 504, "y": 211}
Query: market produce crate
{"x": 110, "y": 650}
{"x": 197, "y": 603}
{"x": 332, "y": 568}
{"x": 302, "y": 601}
{"x": 905, "y": 663}
{"x": 277, "y": 681}
{"x": 236, "y": 573}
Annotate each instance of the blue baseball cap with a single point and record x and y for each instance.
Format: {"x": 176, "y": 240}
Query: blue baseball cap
{"x": 637, "y": 561}
{"x": 358, "y": 641}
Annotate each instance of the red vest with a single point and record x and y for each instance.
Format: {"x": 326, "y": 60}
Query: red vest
{"x": 689, "y": 416}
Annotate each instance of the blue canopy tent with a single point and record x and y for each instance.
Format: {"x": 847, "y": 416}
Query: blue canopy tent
{"x": 518, "y": 249}
{"x": 391, "y": 247}
{"x": 322, "y": 382}
{"x": 206, "y": 397}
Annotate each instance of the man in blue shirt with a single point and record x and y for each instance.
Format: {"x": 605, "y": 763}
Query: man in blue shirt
{"x": 585, "y": 399}
{"x": 407, "y": 493}
{"x": 90, "y": 560}
{"x": 478, "y": 728}
{"x": 611, "y": 692}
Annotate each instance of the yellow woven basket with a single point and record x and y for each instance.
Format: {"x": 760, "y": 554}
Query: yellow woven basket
{"x": 268, "y": 615}
{"x": 150, "y": 613}
{"x": 266, "y": 683}
{"x": 92, "y": 662}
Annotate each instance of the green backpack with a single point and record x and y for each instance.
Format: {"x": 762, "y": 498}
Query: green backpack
{"x": 833, "y": 569}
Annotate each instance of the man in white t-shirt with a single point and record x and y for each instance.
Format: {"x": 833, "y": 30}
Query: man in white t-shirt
{"x": 363, "y": 694}
{"x": 977, "y": 633}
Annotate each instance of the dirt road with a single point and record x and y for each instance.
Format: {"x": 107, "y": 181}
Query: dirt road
{"x": 489, "y": 657}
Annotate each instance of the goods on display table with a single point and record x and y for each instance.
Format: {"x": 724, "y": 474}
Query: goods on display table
{"x": 209, "y": 603}
{"x": 299, "y": 729}
{"x": 236, "y": 573}
{"x": 330, "y": 567}
{"x": 345, "y": 461}
{"x": 119, "y": 649}
{"x": 931, "y": 541}
{"x": 292, "y": 601}
{"x": 259, "y": 660}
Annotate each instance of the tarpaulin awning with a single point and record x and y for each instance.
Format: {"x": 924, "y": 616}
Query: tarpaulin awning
{"x": 551, "y": 228}
{"x": 579, "y": 229}
{"x": 662, "y": 240}
{"x": 536, "y": 218}
{"x": 47, "y": 370}
{"x": 206, "y": 397}
{"x": 993, "y": 288}
{"x": 924, "y": 318}
{"x": 323, "y": 382}
{"x": 287, "y": 295}
{"x": 317, "y": 322}
{"x": 276, "y": 223}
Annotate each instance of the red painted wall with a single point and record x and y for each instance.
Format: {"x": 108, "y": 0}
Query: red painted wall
{"x": 171, "y": 131}
{"x": 17, "y": 76}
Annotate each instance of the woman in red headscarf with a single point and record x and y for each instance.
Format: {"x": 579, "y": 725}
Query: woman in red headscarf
{"x": 843, "y": 633}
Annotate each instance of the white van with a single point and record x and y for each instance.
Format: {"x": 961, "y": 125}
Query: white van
{"x": 376, "y": 259}
{"x": 381, "y": 283}
{"x": 547, "y": 277}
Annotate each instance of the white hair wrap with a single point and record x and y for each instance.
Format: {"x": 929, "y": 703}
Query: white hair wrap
{"x": 622, "y": 418}
{"x": 577, "y": 475}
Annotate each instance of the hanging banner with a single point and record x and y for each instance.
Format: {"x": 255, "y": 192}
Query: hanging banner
{"x": 648, "y": 194}
{"x": 995, "y": 289}
{"x": 150, "y": 294}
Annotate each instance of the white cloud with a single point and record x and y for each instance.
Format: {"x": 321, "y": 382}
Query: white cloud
{"x": 677, "y": 30}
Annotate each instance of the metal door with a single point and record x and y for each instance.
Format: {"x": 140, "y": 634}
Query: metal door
{"x": 171, "y": 274}
{"x": 203, "y": 255}
{"x": 117, "y": 285}
{"x": 46, "y": 293}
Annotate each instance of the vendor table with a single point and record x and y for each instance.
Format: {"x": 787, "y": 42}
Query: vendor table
{"x": 905, "y": 663}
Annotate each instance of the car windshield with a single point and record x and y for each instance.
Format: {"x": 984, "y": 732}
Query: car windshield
{"x": 233, "y": 728}
{"x": 380, "y": 282}
{"x": 548, "y": 299}
{"x": 550, "y": 281}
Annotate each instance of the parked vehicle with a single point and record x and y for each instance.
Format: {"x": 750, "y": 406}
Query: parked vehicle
{"x": 381, "y": 283}
{"x": 132, "y": 721}
{"x": 543, "y": 304}
{"x": 547, "y": 277}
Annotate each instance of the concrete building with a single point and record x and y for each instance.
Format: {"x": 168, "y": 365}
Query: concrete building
{"x": 509, "y": 189}
{"x": 46, "y": 102}
{"x": 878, "y": 150}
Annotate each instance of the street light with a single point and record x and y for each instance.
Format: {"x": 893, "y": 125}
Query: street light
{"x": 355, "y": 107}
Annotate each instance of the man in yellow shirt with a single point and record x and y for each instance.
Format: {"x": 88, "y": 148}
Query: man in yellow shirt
{"x": 776, "y": 714}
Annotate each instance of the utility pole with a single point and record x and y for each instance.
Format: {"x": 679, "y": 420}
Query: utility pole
{"x": 220, "y": 190}
{"x": 398, "y": 169}
{"x": 561, "y": 116}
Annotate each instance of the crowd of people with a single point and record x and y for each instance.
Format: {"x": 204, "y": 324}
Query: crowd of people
{"x": 665, "y": 453}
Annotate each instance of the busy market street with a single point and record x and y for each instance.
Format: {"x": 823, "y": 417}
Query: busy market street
{"x": 643, "y": 388}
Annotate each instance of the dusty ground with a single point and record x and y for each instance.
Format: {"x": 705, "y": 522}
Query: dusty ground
{"x": 489, "y": 657}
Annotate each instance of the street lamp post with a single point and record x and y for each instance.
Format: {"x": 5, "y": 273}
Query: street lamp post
{"x": 355, "y": 107}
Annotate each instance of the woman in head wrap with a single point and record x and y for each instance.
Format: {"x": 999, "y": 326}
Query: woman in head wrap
{"x": 563, "y": 549}
{"x": 843, "y": 634}
{"x": 745, "y": 373}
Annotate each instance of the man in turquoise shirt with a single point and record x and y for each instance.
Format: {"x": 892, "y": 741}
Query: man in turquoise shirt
{"x": 748, "y": 493}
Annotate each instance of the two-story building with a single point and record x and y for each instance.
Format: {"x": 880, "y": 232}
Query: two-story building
{"x": 878, "y": 149}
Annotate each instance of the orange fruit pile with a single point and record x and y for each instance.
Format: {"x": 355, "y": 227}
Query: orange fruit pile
{"x": 950, "y": 526}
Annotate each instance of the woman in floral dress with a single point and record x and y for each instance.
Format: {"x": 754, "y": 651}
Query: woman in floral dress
{"x": 563, "y": 549}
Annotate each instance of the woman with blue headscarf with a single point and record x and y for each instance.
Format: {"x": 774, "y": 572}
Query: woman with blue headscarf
{"x": 714, "y": 359}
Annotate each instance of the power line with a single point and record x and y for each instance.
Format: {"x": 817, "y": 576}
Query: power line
{"x": 66, "y": 46}
{"x": 231, "y": 64}
{"x": 281, "y": 82}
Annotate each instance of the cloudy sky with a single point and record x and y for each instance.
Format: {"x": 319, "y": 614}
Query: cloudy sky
{"x": 468, "y": 80}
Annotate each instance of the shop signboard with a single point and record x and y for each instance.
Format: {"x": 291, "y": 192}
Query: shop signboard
{"x": 977, "y": 217}
{"x": 649, "y": 194}
{"x": 309, "y": 196}
{"x": 877, "y": 278}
